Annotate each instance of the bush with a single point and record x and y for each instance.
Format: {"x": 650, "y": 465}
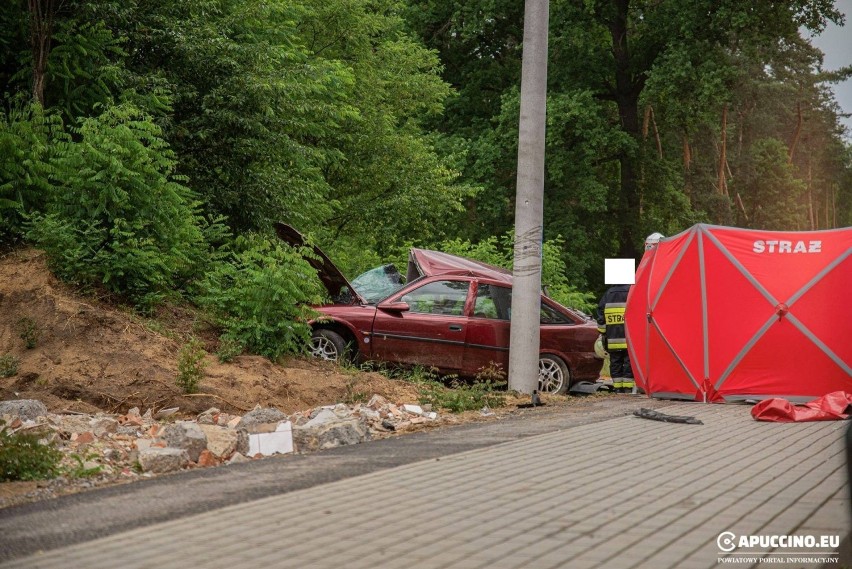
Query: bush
{"x": 24, "y": 457}
{"x": 261, "y": 297}
{"x": 229, "y": 349}
{"x": 190, "y": 366}
{"x": 25, "y": 148}
{"x": 8, "y": 365}
{"x": 29, "y": 332}
{"x": 119, "y": 217}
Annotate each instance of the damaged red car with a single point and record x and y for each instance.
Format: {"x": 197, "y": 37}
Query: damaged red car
{"x": 448, "y": 312}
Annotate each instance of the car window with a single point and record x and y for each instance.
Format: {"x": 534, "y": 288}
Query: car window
{"x": 379, "y": 283}
{"x": 439, "y": 297}
{"x": 492, "y": 302}
{"x": 550, "y": 315}
{"x": 496, "y": 302}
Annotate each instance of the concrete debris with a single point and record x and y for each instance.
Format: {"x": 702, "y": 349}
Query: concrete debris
{"x": 376, "y": 402}
{"x": 185, "y": 435}
{"x": 133, "y": 445}
{"x": 259, "y": 416}
{"x": 163, "y": 413}
{"x": 102, "y": 426}
{"x": 224, "y": 442}
{"x": 209, "y": 417}
{"x": 23, "y": 408}
{"x": 160, "y": 460}
{"x": 239, "y": 458}
{"x": 327, "y": 430}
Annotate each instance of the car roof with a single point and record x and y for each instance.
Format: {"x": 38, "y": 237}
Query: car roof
{"x": 423, "y": 262}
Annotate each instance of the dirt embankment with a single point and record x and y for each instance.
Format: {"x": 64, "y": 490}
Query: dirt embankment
{"x": 90, "y": 356}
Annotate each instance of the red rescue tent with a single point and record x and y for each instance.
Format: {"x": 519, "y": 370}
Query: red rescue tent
{"x": 725, "y": 314}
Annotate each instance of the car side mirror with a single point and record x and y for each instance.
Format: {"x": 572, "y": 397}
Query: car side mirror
{"x": 394, "y": 306}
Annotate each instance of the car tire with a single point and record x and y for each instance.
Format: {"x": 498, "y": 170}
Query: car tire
{"x": 553, "y": 375}
{"x": 328, "y": 345}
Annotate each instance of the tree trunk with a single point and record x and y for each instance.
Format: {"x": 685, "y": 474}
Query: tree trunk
{"x": 627, "y": 99}
{"x": 723, "y": 153}
{"x": 811, "y": 197}
{"x": 656, "y": 133}
{"x": 796, "y": 133}
{"x": 687, "y": 165}
{"x": 41, "y": 31}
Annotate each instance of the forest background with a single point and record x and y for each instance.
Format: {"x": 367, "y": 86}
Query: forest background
{"x": 148, "y": 146}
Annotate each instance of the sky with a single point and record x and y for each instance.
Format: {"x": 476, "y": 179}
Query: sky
{"x": 836, "y": 43}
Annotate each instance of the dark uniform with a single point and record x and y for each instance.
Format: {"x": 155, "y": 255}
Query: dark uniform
{"x": 611, "y": 325}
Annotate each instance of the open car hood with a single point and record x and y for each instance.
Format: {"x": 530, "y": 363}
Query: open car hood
{"x": 339, "y": 289}
{"x": 381, "y": 282}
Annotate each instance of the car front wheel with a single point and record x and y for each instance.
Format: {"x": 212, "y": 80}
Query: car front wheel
{"x": 327, "y": 345}
{"x": 553, "y": 375}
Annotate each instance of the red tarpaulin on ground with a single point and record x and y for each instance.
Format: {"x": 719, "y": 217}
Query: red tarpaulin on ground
{"x": 832, "y": 407}
{"x": 721, "y": 314}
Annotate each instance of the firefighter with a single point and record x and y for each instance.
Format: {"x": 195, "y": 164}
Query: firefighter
{"x": 611, "y": 326}
{"x": 653, "y": 240}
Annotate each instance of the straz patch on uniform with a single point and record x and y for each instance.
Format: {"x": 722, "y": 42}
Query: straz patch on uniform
{"x": 614, "y": 316}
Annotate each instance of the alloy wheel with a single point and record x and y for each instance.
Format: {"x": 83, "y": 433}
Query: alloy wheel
{"x": 551, "y": 376}
{"x": 322, "y": 347}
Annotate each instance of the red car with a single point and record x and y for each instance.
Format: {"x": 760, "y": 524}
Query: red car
{"x": 450, "y": 313}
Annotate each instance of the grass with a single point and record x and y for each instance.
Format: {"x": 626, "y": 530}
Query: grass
{"x": 449, "y": 392}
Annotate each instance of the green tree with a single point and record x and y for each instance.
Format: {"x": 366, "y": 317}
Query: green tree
{"x": 119, "y": 217}
{"x": 26, "y": 146}
{"x": 389, "y": 178}
{"x": 771, "y": 194}
{"x": 637, "y": 89}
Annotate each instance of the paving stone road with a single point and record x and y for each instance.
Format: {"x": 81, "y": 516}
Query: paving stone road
{"x": 622, "y": 493}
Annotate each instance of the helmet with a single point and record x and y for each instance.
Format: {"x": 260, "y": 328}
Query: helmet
{"x": 652, "y": 240}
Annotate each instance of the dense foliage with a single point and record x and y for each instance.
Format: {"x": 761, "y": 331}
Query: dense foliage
{"x": 116, "y": 215}
{"x": 138, "y": 138}
{"x": 259, "y": 297}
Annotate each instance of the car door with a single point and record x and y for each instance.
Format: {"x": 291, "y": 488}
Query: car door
{"x": 488, "y": 329}
{"x": 430, "y": 332}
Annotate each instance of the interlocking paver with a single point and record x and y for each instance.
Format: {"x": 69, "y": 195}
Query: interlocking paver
{"x": 585, "y": 497}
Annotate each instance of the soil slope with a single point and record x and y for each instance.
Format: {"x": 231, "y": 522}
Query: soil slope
{"x": 91, "y": 356}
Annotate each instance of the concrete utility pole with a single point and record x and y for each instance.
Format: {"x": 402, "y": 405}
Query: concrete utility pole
{"x": 524, "y": 341}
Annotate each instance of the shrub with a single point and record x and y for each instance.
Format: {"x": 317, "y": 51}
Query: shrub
{"x": 25, "y": 148}
{"x": 24, "y": 457}
{"x": 190, "y": 366}
{"x": 29, "y": 332}
{"x": 260, "y": 297}
{"x": 229, "y": 349}
{"x": 8, "y": 365}
{"x": 119, "y": 217}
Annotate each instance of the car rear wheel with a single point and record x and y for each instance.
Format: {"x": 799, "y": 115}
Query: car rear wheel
{"x": 327, "y": 345}
{"x": 553, "y": 375}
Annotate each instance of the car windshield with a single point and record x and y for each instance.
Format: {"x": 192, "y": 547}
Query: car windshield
{"x": 379, "y": 283}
